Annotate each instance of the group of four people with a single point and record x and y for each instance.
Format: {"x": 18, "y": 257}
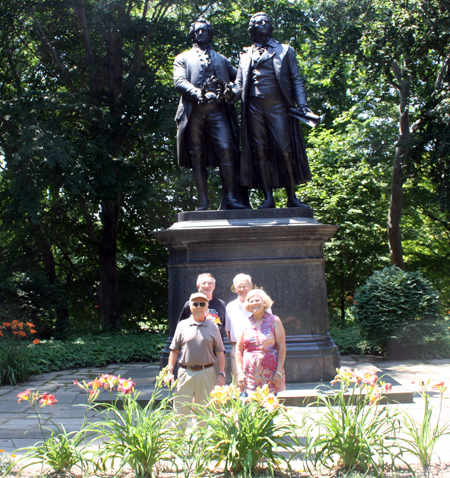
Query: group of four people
{"x": 257, "y": 337}
{"x": 273, "y": 97}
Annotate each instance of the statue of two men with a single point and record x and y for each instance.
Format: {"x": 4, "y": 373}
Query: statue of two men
{"x": 273, "y": 98}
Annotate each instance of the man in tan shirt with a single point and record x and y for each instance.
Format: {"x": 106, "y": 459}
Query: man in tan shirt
{"x": 196, "y": 345}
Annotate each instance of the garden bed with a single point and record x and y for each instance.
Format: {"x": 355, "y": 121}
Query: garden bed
{"x": 441, "y": 470}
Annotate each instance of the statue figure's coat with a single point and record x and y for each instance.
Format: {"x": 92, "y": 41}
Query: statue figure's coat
{"x": 188, "y": 75}
{"x": 293, "y": 92}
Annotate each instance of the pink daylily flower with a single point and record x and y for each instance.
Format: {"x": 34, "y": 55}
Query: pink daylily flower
{"x": 126, "y": 386}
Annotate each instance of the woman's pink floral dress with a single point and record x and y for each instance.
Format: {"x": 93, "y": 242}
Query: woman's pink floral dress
{"x": 261, "y": 354}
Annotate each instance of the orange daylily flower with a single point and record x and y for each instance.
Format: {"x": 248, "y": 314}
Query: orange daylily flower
{"x": 439, "y": 386}
{"x": 47, "y": 399}
{"x": 271, "y": 402}
{"x": 24, "y": 395}
{"x": 375, "y": 396}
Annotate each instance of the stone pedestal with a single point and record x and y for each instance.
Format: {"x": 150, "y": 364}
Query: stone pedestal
{"x": 282, "y": 250}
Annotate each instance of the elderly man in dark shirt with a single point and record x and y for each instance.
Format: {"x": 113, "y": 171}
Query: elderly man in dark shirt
{"x": 208, "y": 132}
{"x": 270, "y": 86}
{"x": 216, "y": 312}
{"x": 195, "y": 346}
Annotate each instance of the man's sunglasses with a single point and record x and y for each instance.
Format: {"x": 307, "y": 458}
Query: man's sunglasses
{"x": 199, "y": 304}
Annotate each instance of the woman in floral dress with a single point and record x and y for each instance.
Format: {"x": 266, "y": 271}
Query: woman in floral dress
{"x": 261, "y": 347}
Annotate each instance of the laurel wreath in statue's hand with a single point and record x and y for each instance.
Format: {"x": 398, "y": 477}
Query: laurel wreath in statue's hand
{"x": 214, "y": 85}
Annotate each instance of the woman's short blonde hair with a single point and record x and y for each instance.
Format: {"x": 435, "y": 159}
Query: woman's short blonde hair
{"x": 266, "y": 300}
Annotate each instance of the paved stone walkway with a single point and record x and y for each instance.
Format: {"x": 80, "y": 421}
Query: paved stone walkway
{"x": 18, "y": 424}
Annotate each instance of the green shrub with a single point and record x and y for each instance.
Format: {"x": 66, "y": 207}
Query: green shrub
{"x": 425, "y": 339}
{"x": 98, "y": 350}
{"x": 395, "y": 310}
{"x": 350, "y": 340}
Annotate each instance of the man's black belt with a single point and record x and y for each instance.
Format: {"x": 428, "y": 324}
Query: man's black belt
{"x": 195, "y": 368}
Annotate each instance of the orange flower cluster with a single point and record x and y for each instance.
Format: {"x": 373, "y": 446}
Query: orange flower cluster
{"x": 225, "y": 393}
{"x": 265, "y": 398}
{"x": 34, "y": 397}
{"x": 108, "y": 382}
{"x": 364, "y": 379}
{"x": 440, "y": 386}
{"x": 262, "y": 395}
{"x": 18, "y": 329}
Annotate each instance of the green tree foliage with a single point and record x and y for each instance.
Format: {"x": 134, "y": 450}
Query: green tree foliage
{"x": 349, "y": 189}
{"x": 396, "y": 309}
{"x": 351, "y": 58}
{"x": 85, "y": 86}
{"x": 89, "y": 163}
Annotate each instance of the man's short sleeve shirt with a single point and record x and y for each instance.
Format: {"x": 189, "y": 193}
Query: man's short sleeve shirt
{"x": 197, "y": 342}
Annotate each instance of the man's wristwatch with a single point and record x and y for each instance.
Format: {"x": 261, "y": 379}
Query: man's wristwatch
{"x": 222, "y": 373}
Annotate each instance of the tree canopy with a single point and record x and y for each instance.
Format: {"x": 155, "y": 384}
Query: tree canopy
{"x": 87, "y": 142}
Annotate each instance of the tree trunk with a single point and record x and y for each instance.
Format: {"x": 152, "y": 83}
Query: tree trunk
{"x": 395, "y": 212}
{"x": 343, "y": 293}
{"x": 109, "y": 287}
{"x": 48, "y": 261}
{"x": 401, "y": 154}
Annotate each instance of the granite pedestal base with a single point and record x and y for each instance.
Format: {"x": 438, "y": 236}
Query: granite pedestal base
{"x": 282, "y": 250}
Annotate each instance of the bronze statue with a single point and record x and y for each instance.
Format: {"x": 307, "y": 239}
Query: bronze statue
{"x": 208, "y": 131}
{"x": 273, "y": 97}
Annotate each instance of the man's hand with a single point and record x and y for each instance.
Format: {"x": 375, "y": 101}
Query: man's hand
{"x": 170, "y": 378}
{"x": 210, "y": 97}
{"x": 228, "y": 94}
{"x": 220, "y": 380}
{"x": 305, "y": 109}
{"x": 198, "y": 94}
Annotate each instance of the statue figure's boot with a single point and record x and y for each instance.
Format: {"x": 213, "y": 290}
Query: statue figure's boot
{"x": 201, "y": 183}
{"x": 227, "y": 175}
{"x": 243, "y": 196}
{"x": 266, "y": 179}
{"x": 292, "y": 201}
